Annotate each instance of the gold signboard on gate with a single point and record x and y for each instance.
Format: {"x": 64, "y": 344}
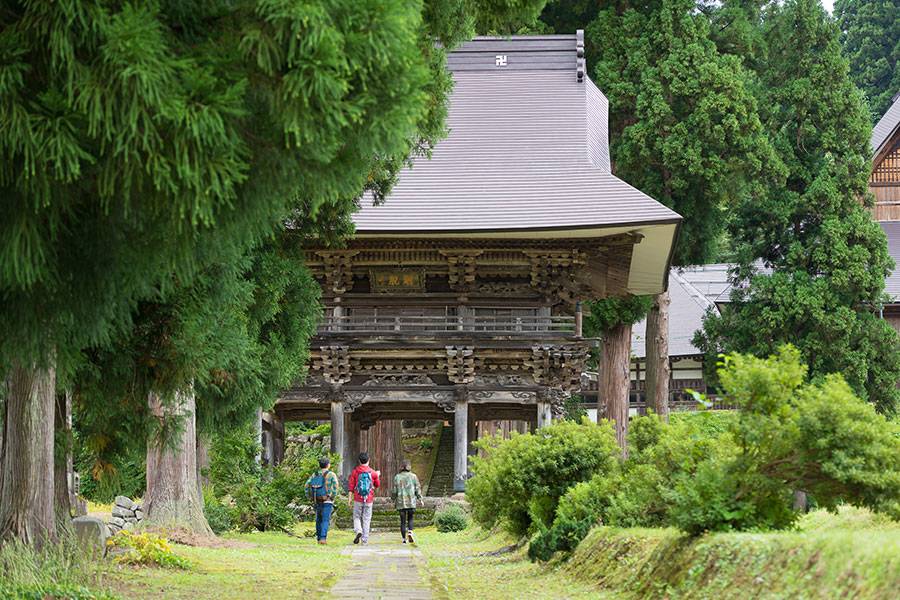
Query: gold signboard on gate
{"x": 397, "y": 281}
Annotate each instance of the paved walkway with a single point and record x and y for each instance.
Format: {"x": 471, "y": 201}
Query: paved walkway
{"x": 384, "y": 570}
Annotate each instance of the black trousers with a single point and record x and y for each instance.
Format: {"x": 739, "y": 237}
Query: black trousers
{"x": 406, "y": 520}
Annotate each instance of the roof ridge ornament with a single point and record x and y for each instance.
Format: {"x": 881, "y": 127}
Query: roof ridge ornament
{"x": 580, "y": 65}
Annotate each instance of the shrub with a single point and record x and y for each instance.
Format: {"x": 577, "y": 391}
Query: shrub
{"x": 426, "y": 444}
{"x": 258, "y": 498}
{"x": 451, "y": 518}
{"x": 217, "y": 514}
{"x": 146, "y": 549}
{"x": 519, "y": 481}
{"x": 789, "y": 435}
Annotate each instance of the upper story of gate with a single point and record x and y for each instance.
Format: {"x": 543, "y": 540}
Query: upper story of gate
{"x": 514, "y": 218}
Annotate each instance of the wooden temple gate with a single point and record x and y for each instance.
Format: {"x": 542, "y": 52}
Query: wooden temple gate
{"x": 457, "y": 298}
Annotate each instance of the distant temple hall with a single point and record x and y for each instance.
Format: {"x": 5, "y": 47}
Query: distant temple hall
{"x": 456, "y": 300}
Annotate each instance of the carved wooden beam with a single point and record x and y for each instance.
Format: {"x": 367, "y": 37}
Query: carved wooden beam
{"x": 460, "y": 364}
{"x": 334, "y": 362}
{"x": 338, "y": 269}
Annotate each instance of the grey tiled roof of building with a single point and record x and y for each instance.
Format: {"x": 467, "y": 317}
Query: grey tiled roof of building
{"x": 527, "y": 150}
{"x": 888, "y": 123}
{"x": 711, "y": 280}
{"x": 686, "y": 311}
{"x": 892, "y": 282}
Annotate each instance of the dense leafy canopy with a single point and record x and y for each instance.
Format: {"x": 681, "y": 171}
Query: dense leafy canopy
{"x": 825, "y": 258}
{"x": 870, "y": 34}
{"x": 139, "y": 140}
{"x": 683, "y": 123}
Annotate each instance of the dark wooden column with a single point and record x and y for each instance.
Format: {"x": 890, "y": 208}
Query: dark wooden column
{"x": 337, "y": 431}
{"x": 460, "y": 442}
{"x": 385, "y": 452}
{"x": 544, "y": 412}
{"x": 472, "y": 437}
{"x": 350, "y": 450}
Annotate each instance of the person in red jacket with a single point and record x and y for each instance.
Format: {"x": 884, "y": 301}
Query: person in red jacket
{"x": 362, "y": 483}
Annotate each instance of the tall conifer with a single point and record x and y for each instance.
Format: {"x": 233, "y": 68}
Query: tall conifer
{"x": 824, "y": 257}
{"x": 684, "y": 129}
{"x": 870, "y": 35}
{"x": 140, "y": 140}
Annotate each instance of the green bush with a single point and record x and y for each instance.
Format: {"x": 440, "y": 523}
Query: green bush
{"x": 217, "y": 514}
{"x": 145, "y": 548}
{"x": 426, "y": 444}
{"x": 790, "y": 435}
{"x": 451, "y": 518}
{"x": 519, "y": 481}
{"x": 257, "y": 498}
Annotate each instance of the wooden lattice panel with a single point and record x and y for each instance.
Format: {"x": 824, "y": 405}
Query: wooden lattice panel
{"x": 887, "y": 171}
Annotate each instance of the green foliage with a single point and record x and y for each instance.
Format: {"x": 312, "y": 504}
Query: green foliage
{"x": 573, "y": 410}
{"x": 137, "y": 147}
{"x": 451, "y": 518}
{"x": 870, "y": 36}
{"x": 232, "y": 459}
{"x": 51, "y": 590}
{"x": 218, "y": 516}
{"x": 817, "y": 437}
{"x": 519, "y": 481}
{"x": 719, "y": 472}
{"x": 145, "y": 548}
{"x": 849, "y": 557}
{"x": 826, "y": 258}
{"x": 256, "y": 498}
{"x": 426, "y": 444}
{"x": 107, "y": 473}
{"x": 57, "y": 568}
{"x": 684, "y": 126}
{"x": 605, "y": 314}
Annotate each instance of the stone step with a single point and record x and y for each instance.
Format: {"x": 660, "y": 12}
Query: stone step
{"x": 441, "y": 483}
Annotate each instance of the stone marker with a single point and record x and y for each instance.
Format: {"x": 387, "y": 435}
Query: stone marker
{"x": 91, "y": 534}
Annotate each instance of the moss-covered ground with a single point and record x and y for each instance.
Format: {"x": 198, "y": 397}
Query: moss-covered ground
{"x": 477, "y": 565}
{"x": 851, "y": 555}
{"x": 254, "y": 565}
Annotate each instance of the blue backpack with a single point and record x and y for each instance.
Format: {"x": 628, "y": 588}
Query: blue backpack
{"x": 364, "y": 484}
{"x": 319, "y": 488}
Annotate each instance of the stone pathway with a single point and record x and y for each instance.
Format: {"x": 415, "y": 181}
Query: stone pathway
{"x": 384, "y": 570}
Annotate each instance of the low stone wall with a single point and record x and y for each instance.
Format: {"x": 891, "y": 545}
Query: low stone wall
{"x": 126, "y": 514}
{"x": 310, "y": 441}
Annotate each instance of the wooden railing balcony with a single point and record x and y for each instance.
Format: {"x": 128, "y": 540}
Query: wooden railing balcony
{"x": 414, "y": 325}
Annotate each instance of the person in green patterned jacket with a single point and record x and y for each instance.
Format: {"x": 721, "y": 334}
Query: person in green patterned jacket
{"x": 406, "y": 494}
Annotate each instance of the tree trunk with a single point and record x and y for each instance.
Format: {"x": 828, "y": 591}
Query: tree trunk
{"x": 385, "y": 452}
{"x": 615, "y": 359}
{"x": 657, "y": 343}
{"x": 63, "y": 466}
{"x": 26, "y": 484}
{"x": 202, "y": 462}
{"x": 173, "y": 497}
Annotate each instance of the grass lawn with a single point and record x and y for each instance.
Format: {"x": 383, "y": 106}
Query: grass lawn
{"x": 460, "y": 568}
{"x": 259, "y": 565}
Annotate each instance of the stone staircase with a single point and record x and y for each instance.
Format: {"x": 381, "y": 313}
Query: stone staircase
{"x": 441, "y": 482}
{"x": 384, "y": 516}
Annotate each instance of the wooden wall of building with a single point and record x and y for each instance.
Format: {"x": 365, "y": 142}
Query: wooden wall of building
{"x": 884, "y": 183}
